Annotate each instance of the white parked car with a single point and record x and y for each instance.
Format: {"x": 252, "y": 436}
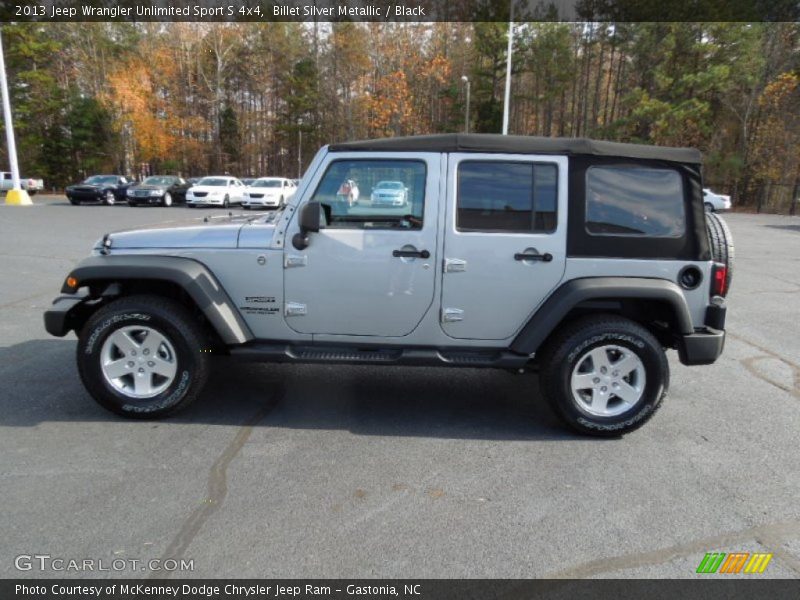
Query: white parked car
{"x": 218, "y": 190}
{"x": 715, "y": 202}
{"x": 389, "y": 193}
{"x": 272, "y": 192}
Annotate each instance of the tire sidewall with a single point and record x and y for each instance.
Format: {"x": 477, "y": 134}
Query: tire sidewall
{"x": 655, "y": 375}
{"x": 109, "y": 198}
{"x": 89, "y": 356}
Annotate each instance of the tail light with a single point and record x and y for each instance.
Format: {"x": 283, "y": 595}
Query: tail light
{"x": 719, "y": 275}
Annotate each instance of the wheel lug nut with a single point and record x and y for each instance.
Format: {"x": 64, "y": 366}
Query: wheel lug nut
{"x": 615, "y": 373}
{"x": 615, "y": 384}
{"x": 146, "y": 351}
{"x": 133, "y": 352}
{"x": 130, "y": 364}
{"x": 603, "y": 389}
{"x": 150, "y": 363}
{"x": 603, "y": 370}
{"x": 596, "y": 380}
{"x": 141, "y": 370}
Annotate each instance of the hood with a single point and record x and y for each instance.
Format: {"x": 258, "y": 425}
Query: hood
{"x": 142, "y": 186}
{"x": 209, "y": 188}
{"x": 208, "y": 232}
{"x": 265, "y": 190}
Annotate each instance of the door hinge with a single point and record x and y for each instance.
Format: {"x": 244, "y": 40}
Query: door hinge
{"x": 295, "y": 309}
{"x": 450, "y": 315}
{"x": 454, "y": 265}
{"x": 294, "y": 260}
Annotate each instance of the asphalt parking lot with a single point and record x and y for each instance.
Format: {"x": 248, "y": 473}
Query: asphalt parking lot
{"x": 332, "y": 471}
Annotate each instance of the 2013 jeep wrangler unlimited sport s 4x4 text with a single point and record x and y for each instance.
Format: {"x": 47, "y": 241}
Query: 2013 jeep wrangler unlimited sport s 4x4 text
{"x": 581, "y": 259}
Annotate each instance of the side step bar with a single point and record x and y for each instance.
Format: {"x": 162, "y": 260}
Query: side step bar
{"x": 266, "y": 352}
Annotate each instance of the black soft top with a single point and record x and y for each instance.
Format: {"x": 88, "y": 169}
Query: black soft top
{"x": 520, "y": 144}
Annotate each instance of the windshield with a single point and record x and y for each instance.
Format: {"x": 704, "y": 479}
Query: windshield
{"x": 266, "y": 183}
{"x": 101, "y": 179}
{"x": 158, "y": 181}
{"x": 213, "y": 181}
{"x": 390, "y": 185}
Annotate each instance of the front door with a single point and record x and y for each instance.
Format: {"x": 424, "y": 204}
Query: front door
{"x": 370, "y": 270}
{"x": 505, "y": 241}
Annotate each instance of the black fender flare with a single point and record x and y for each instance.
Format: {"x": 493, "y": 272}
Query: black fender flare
{"x": 553, "y": 310}
{"x": 190, "y": 275}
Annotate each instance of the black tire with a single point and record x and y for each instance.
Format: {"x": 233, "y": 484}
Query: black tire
{"x": 166, "y": 200}
{"x": 721, "y": 242}
{"x": 109, "y": 199}
{"x": 74, "y": 202}
{"x": 132, "y": 204}
{"x": 570, "y": 345}
{"x": 709, "y": 207}
{"x": 226, "y": 202}
{"x": 246, "y": 207}
{"x": 168, "y": 318}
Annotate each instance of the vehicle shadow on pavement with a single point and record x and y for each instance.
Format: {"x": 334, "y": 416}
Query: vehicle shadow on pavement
{"x": 366, "y": 400}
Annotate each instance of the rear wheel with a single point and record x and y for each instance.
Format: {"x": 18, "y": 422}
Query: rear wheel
{"x": 721, "y": 241}
{"x": 246, "y": 206}
{"x": 604, "y": 375}
{"x": 709, "y": 207}
{"x": 226, "y": 202}
{"x": 74, "y": 202}
{"x": 142, "y": 357}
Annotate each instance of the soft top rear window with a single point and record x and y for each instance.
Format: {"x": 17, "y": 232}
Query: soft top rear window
{"x": 634, "y": 201}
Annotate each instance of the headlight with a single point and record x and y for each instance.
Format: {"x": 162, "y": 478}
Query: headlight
{"x": 130, "y": 192}
{"x": 215, "y": 194}
{"x": 156, "y": 192}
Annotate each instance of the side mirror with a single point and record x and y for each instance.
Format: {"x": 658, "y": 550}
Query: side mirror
{"x": 309, "y": 221}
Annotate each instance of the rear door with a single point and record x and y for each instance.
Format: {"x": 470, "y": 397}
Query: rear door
{"x": 505, "y": 241}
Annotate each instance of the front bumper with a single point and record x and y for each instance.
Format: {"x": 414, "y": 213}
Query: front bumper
{"x": 204, "y": 201}
{"x": 270, "y": 202}
{"x": 704, "y": 346}
{"x": 57, "y": 320}
{"x": 145, "y": 199}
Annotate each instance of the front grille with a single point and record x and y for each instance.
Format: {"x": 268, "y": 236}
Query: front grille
{"x": 256, "y": 195}
{"x": 141, "y": 193}
{"x": 200, "y": 194}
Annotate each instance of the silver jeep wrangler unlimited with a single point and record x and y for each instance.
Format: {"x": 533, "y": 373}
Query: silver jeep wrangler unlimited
{"x": 580, "y": 259}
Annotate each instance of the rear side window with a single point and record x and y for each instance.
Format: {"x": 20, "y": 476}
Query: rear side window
{"x": 514, "y": 197}
{"x": 634, "y": 201}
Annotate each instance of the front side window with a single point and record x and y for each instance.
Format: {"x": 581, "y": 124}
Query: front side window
{"x": 634, "y": 201}
{"x": 359, "y": 197}
{"x": 514, "y": 197}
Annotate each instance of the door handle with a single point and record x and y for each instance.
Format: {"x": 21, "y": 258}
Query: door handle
{"x": 546, "y": 257}
{"x": 411, "y": 254}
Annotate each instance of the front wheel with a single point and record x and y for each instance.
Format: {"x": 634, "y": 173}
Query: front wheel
{"x": 167, "y": 199}
{"x": 604, "y": 375}
{"x": 709, "y": 207}
{"x": 109, "y": 198}
{"x": 142, "y": 357}
{"x": 226, "y": 202}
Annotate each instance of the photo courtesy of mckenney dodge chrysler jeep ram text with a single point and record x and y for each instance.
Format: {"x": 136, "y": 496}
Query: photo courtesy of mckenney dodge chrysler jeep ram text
{"x": 581, "y": 260}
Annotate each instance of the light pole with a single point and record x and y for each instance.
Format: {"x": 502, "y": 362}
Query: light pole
{"x": 16, "y": 195}
{"x": 465, "y": 79}
{"x": 299, "y": 148}
{"x": 507, "y": 95}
